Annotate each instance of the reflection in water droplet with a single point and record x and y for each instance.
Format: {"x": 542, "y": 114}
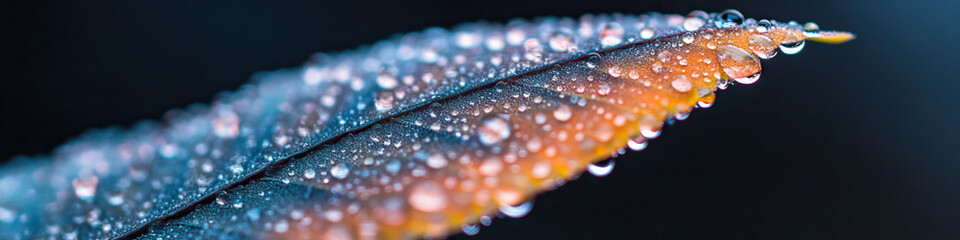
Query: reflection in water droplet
{"x": 518, "y": 210}
{"x": 729, "y": 18}
{"x": 601, "y": 169}
{"x": 493, "y": 129}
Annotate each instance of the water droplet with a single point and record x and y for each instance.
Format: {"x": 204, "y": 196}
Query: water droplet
{"x": 687, "y": 37}
{"x": 729, "y": 18}
{"x": 281, "y": 226}
{"x": 748, "y": 79}
{"x": 740, "y": 65}
{"x": 611, "y": 34}
{"x": 85, "y": 188}
{"x": 384, "y": 101}
{"x": 309, "y": 173}
{"x": 7, "y": 216}
{"x": 682, "y": 116}
{"x": 226, "y": 124}
{"x": 791, "y": 47}
{"x": 428, "y": 197}
{"x": 650, "y": 133}
{"x": 253, "y": 214}
{"x": 436, "y": 160}
{"x": 763, "y": 46}
{"x": 470, "y": 229}
{"x": 647, "y": 33}
{"x": 493, "y": 129}
{"x": 602, "y": 168}
{"x": 562, "y": 113}
{"x": 594, "y": 60}
{"x": 533, "y": 51}
{"x": 115, "y": 199}
{"x": 811, "y": 28}
{"x": 681, "y": 84}
{"x": 386, "y": 80}
{"x": 486, "y": 220}
{"x": 518, "y": 210}
{"x": 467, "y": 39}
{"x": 693, "y": 23}
{"x": 637, "y": 144}
{"x": 222, "y": 198}
{"x": 614, "y": 71}
{"x": 561, "y": 41}
{"x": 339, "y": 171}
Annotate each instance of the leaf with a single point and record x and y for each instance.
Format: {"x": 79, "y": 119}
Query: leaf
{"x": 414, "y": 136}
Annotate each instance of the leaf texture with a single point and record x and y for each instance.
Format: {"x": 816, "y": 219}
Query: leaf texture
{"x": 414, "y": 136}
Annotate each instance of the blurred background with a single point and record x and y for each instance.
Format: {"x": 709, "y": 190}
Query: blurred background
{"x": 852, "y": 141}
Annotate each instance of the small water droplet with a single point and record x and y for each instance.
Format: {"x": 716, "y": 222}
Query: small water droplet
{"x": 470, "y": 229}
{"x": 384, "y": 101}
{"x": 562, "y": 113}
{"x": 650, "y": 133}
{"x": 386, "y": 80}
{"x": 493, "y": 129}
{"x": 693, "y": 23}
{"x": 602, "y": 168}
{"x": 561, "y": 41}
{"x": 729, "y": 18}
{"x": 85, "y": 188}
{"x": 339, "y": 171}
{"x": 791, "y": 47}
{"x": 533, "y": 51}
{"x": 637, "y": 144}
{"x": 647, "y": 33}
{"x": 611, "y": 34}
{"x": 517, "y": 211}
{"x": 115, "y": 199}
{"x": 309, "y": 173}
{"x": 428, "y": 197}
{"x": 687, "y": 37}
{"x": 436, "y": 160}
{"x": 594, "y": 60}
{"x": 486, "y": 220}
{"x": 681, "y": 84}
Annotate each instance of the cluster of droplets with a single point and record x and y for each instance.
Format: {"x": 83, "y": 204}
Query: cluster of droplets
{"x": 413, "y": 164}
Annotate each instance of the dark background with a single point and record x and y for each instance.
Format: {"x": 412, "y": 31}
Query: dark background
{"x": 853, "y": 141}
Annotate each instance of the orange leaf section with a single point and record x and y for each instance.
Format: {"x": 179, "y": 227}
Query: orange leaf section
{"x": 537, "y": 129}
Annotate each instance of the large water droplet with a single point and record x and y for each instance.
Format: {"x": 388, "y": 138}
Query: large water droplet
{"x": 493, "y": 129}
{"x": 601, "y": 169}
{"x": 517, "y": 210}
{"x": 309, "y": 173}
{"x": 740, "y": 65}
{"x": 681, "y": 84}
{"x": 650, "y": 133}
{"x": 436, "y": 160}
{"x": 763, "y": 46}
